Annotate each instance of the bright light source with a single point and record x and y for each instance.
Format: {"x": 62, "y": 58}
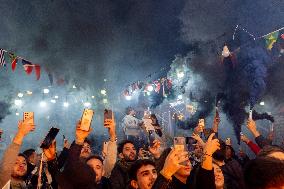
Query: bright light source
{"x": 87, "y": 104}
{"x": 18, "y": 102}
{"x": 262, "y": 103}
{"x": 93, "y": 96}
{"x": 29, "y": 92}
{"x": 150, "y": 88}
{"x": 17, "y": 113}
{"x": 74, "y": 87}
{"x": 45, "y": 91}
{"x": 179, "y": 97}
{"x": 180, "y": 74}
{"x": 128, "y": 97}
{"x": 20, "y": 95}
{"x": 105, "y": 101}
{"x": 66, "y": 104}
{"x": 103, "y": 92}
{"x": 56, "y": 97}
{"x": 42, "y": 104}
{"x": 148, "y": 93}
{"x": 53, "y": 101}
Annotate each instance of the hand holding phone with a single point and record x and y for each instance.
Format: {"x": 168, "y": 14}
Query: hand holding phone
{"x": 86, "y": 119}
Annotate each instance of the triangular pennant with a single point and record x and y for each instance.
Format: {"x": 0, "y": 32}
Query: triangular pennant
{"x": 271, "y": 39}
{"x": 14, "y": 60}
{"x": 37, "y": 71}
{"x": 28, "y": 66}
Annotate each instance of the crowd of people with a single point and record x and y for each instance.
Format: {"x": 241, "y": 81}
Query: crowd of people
{"x": 135, "y": 162}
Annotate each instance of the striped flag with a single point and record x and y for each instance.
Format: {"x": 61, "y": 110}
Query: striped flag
{"x": 2, "y": 58}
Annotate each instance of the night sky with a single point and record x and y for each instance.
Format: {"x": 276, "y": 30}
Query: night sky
{"x": 87, "y": 41}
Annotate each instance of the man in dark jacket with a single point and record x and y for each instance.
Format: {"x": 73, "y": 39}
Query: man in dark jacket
{"x": 128, "y": 155}
{"x": 77, "y": 174}
{"x": 97, "y": 164}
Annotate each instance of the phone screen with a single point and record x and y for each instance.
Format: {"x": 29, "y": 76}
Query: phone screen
{"x": 151, "y": 137}
{"x": 107, "y": 114}
{"x": 86, "y": 119}
{"x": 179, "y": 143}
{"x": 28, "y": 117}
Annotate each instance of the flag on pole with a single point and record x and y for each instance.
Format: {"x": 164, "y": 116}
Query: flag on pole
{"x": 271, "y": 39}
{"x": 2, "y": 58}
{"x": 14, "y": 60}
{"x": 28, "y": 66}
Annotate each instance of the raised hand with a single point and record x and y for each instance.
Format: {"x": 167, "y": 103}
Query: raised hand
{"x": 210, "y": 147}
{"x": 50, "y": 153}
{"x": 80, "y": 134}
{"x": 198, "y": 138}
{"x": 244, "y": 138}
{"x": 172, "y": 163}
{"x": 251, "y": 125}
{"x": 23, "y": 129}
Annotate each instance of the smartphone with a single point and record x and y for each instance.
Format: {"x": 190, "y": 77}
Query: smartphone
{"x": 190, "y": 142}
{"x": 86, "y": 119}
{"x": 151, "y": 137}
{"x": 49, "y": 138}
{"x": 179, "y": 143}
{"x": 28, "y": 117}
{"x": 201, "y": 123}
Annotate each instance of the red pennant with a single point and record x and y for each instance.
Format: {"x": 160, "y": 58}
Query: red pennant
{"x": 282, "y": 36}
{"x": 28, "y": 69}
{"x": 37, "y": 71}
{"x": 14, "y": 64}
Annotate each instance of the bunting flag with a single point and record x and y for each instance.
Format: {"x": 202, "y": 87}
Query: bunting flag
{"x": 271, "y": 39}
{"x": 14, "y": 60}
{"x": 37, "y": 71}
{"x": 28, "y": 66}
{"x": 2, "y": 58}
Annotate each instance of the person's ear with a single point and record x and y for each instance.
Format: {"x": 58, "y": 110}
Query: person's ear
{"x": 120, "y": 155}
{"x": 134, "y": 184}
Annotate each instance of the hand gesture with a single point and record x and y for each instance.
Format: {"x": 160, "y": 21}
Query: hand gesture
{"x": 80, "y": 134}
{"x": 251, "y": 125}
{"x": 110, "y": 124}
{"x": 50, "y": 153}
{"x": 211, "y": 145}
{"x": 199, "y": 140}
{"x": 66, "y": 144}
{"x": 244, "y": 138}
{"x": 155, "y": 150}
{"x": 172, "y": 163}
{"x": 23, "y": 129}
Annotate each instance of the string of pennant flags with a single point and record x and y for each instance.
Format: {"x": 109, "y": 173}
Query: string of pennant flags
{"x": 27, "y": 65}
{"x": 165, "y": 83}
